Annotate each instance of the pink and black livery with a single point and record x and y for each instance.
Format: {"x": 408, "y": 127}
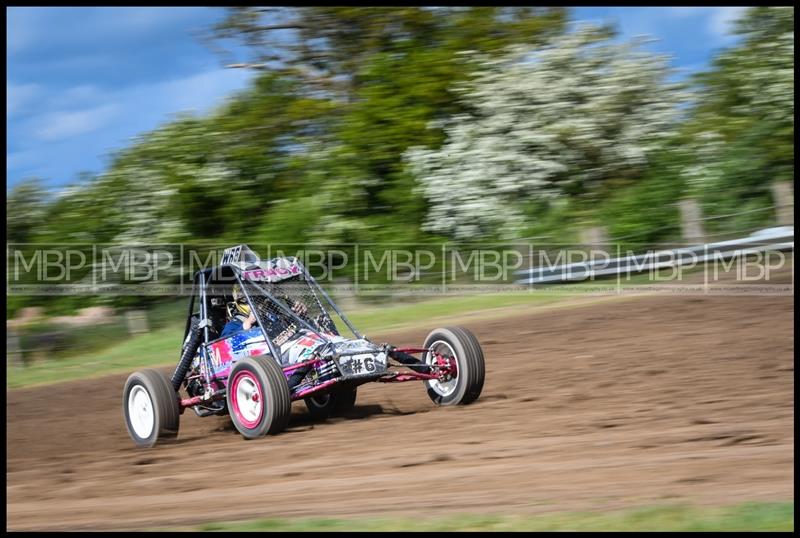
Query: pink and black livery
{"x": 295, "y": 351}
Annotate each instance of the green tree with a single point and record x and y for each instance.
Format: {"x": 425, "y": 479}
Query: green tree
{"x": 742, "y": 127}
{"x": 390, "y": 74}
{"x": 328, "y": 46}
{"x": 26, "y": 206}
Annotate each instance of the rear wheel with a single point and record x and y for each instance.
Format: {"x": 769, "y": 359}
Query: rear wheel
{"x": 335, "y": 403}
{"x": 465, "y": 384}
{"x": 150, "y": 407}
{"x": 258, "y": 397}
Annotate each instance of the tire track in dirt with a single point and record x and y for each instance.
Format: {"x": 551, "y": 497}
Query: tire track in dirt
{"x": 645, "y": 401}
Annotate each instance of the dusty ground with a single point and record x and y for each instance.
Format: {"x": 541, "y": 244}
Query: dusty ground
{"x": 631, "y": 402}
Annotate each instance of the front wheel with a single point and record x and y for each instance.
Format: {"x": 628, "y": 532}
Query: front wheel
{"x": 334, "y": 403}
{"x": 150, "y": 407}
{"x": 258, "y": 397}
{"x": 465, "y": 384}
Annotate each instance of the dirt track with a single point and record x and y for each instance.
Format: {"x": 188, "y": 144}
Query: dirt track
{"x": 626, "y": 403}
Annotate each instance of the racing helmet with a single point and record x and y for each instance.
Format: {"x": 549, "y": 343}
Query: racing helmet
{"x": 239, "y": 304}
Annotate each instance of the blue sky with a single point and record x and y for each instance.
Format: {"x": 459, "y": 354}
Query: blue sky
{"x": 82, "y": 82}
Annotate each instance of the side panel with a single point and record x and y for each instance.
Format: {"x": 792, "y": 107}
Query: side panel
{"x": 224, "y": 353}
{"x": 300, "y": 349}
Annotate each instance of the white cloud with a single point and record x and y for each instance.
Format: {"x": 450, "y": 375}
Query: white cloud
{"x": 20, "y": 28}
{"x": 64, "y": 114}
{"x": 683, "y": 12}
{"x": 198, "y": 92}
{"x": 78, "y": 127}
{"x": 60, "y": 125}
{"x": 693, "y": 67}
{"x": 80, "y": 63}
{"x": 19, "y": 97}
{"x": 20, "y": 159}
{"x": 720, "y": 23}
{"x": 142, "y": 19}
{"x": 87, "y": 108}
{"x": 30, "y": 27}
{"x": 83, "y": 96}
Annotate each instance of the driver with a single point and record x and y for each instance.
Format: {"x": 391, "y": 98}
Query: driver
{"x": 294, "y": 343}
{"x": 241, "y": 317}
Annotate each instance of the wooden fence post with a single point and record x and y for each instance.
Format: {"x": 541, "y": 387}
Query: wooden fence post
{"x": 783, "y": 198}
{"x": 13, "y": 348}
{"x": 691, "y": 221}
{"x": 594, "y": 236}
{"x": 137, "y": 321}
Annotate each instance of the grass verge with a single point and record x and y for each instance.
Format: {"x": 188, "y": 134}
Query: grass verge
{"x": 161, "y": 347}
{"x": 752, "y": 516}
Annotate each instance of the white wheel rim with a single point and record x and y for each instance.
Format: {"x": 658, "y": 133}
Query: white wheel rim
{"x": 249, "y": 407}
{"x": 446, "y": 388}
{"x": 141, "y": 413}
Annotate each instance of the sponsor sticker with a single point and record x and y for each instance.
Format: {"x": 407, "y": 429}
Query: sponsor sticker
{"x": 271, "y": 274}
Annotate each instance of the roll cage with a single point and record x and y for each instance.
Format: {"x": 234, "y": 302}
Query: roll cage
{"x": 215, "y": 283}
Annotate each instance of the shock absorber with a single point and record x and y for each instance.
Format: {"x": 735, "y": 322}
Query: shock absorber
{"x": 189, "y": 349}
{"x": 325, "y": 370}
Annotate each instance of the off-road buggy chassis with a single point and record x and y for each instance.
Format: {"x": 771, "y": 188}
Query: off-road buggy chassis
{"x": 247, "y": 374}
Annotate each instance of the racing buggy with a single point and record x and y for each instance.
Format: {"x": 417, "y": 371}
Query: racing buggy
{"x": 293, "y": 351}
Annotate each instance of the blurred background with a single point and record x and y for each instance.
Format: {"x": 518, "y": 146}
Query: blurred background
{"x": 403, "y": 125}
{"x": 424, "y": 129}
{"x": 410, "y": 125}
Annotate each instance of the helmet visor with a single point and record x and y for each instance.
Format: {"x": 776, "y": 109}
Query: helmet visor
{"x": 242, "y": 307}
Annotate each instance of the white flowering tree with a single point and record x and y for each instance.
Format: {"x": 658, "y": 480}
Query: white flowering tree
{"x": 145, "y": 210}
{"x": 546, "y": 122}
